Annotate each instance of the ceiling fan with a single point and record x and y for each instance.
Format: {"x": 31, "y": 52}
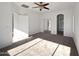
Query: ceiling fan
{"x": 41, "y": 5}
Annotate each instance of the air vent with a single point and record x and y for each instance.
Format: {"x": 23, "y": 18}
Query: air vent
{"x": 25, "y": 6}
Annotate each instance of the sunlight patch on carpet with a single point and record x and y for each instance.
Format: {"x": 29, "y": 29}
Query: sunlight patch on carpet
{"x": 22, "y": 47}
{"x": 43, "y": 48}
{"x": 63, "y": 51}
{"x": 40, "y": 47}
{"x": 19, "y": 35}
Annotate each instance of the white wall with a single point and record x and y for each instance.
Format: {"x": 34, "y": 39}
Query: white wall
{"x": 44, "y": 18}
{"x": 15, "y": 20}
{"x": 21, "y": 23}
{"x": 33, "y": 18}
{"x": 5, "y": 24}
{"x": 67, "y": 21}
{"x": 37, "y": 22}
{"x": 42, "y": 24}
{"x": 76, "y": 26}
{"x": 34, "y": 23}
{"x": 6, "y": 10}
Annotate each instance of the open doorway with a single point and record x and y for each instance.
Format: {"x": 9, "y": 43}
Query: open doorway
{"x": 48, "y": 26}
{"x": 60, "y": 24}
{"x": 19, "y": 27}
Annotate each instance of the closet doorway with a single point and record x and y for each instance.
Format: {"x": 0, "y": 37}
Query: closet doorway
{"x": 60, "y": 24}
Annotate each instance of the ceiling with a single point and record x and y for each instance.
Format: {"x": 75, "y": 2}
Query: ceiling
{"x": 52, "y": 6}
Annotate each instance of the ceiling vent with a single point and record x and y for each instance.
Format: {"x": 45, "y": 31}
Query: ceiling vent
{"x": 25, "y": 6}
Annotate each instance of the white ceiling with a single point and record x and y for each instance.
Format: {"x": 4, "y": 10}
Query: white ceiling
{"x": 52, "y": 5}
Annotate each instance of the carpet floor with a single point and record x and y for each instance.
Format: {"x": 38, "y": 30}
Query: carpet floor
{"x": 42, "y": 44}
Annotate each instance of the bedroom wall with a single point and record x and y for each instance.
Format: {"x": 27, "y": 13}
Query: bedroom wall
{"x": 5, "y": 24}
{"x": 33, "y": 18}
{"x": 76, "y": 27}
{"x": 21, "y": 22}
{"x": 37, "y": 22}
{"x": 67, "y": 21}
{"x": 44, "y": 20}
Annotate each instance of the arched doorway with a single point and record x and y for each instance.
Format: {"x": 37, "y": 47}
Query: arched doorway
{"x": 60, "y": 24}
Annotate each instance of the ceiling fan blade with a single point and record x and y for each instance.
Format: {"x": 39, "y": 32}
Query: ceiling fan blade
{"x": 46, "y": 8}
{"x": 46, "y": 4}
{"x": 36, "y": 3}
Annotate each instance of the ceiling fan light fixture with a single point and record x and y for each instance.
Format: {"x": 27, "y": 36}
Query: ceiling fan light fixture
{"x": 42, "y": 5}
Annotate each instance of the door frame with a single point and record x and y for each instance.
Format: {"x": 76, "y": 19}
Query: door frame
{"x": 57, "y": 22}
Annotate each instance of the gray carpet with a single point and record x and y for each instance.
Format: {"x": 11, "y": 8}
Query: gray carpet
{"x": 61, "y": 40}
